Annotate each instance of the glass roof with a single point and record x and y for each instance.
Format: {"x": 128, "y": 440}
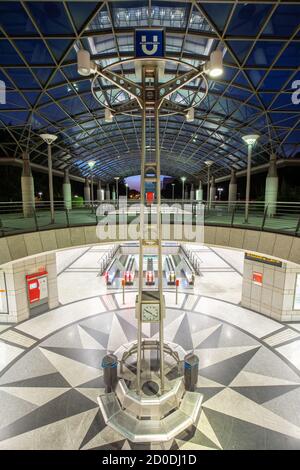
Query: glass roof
{"x": 44, "y": 93}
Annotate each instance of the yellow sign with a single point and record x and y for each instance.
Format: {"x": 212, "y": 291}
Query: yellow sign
{"x": 263, "y": 259}
{"x": 150, "y": 242}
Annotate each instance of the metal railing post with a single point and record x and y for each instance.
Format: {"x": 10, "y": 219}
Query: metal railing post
{"x": 297, "y": 228}
{"x": 1, "y": 227}
{"x": 232, "y": 215}
{"x": 67, "y": 217}
{"x": 35, "y": 220}
{"x": 264, "y": 217}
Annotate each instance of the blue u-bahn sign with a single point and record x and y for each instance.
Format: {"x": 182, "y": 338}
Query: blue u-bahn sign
{"x": 149, "y": 43}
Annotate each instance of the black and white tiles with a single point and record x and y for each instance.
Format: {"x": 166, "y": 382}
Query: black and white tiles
{"x": 50, "y": 368}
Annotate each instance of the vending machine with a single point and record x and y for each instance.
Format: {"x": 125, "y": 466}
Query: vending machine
{"x": 37, "y": 291}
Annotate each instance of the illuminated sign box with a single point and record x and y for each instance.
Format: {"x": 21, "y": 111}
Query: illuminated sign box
{"x": 257, "y": 278}
{"x": 263, "y": 259}
{"x": 149, "y": 43}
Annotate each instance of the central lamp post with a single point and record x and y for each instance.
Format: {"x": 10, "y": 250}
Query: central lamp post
{"x": 49, "y": 139}
{"x": 149, "y": 95}
{"x": 91, "y": 165}
{"x": 173, "y": 191}
{"x": 183, "y": 180}
{"x": 250, "y": 140}
{"x": 126, "y": 186}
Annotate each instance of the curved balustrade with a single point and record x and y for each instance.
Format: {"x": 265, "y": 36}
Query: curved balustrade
{"x": 284, "y": 218}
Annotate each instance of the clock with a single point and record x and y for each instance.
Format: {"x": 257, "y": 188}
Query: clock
{"x": 150, "y": 312}
{"x": 150, "y": 308}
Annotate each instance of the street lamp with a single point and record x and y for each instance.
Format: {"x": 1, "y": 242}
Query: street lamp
{"x": 91, "y": 165}
{"x": 173, "y": 191}
{"x": 126, "y": 186}
{"x": 220, "y": 190}
{"x": 250, "y": 140}
{"x": 49, "y": 139}
{"x": 183, "y": 179}
{"x": 117, "y": 187}
{"x": 208, "y": 163}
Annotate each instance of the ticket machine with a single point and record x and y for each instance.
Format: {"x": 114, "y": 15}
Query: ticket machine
{"x": 37, "y": 290}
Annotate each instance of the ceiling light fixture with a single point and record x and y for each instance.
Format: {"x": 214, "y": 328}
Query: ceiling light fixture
{"x": 215, "y": 64}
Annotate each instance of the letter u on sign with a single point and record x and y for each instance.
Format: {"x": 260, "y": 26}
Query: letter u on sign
{"x": 149, "y": 43}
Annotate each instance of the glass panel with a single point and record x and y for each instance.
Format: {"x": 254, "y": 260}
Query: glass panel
{"x": 51, "y": 17}
{"x": 58, "y": 47}
{"x": 218, "y": 12}
{"x": 34, "y": 51}
{"x": 15, "y": 20}
{"x": 284, "y": 21}
{"x": 81, "y": 11}
{"x": 264, "y": 53}
{"x": 9, "y": 56}
{"x": 290, "y": 57}
{"x": 248, "y": 18}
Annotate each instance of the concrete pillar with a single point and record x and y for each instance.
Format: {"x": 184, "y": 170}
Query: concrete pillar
{"x": 199, "y": 192}
{"x": 107, "y": 192}
{"x": 99, "y": 191}
{"x": 67, "y": 190}
{"x": 87, "y": 191}
{"x": 27, "y": 185}
{"x": 271, "y": 189}
{"x": 192, "y": 193}
{"x": 232, "y": 189}
{"x": 212, "y": 191}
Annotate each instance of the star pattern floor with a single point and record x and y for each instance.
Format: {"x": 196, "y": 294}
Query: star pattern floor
{"x": 49, "y": 396}
{"x": 50, "y": 366}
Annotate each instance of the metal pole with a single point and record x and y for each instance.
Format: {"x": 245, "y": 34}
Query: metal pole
{"x": 159, "y": 233}
{"x": 173, "y": 191}
{"x": 141, "y": 253}
{"x": 248, "y": 182}
{"x": 50, "y": 176}
{"x": 92, "y": 190}
{"x": 182, "y": 190}
{"x": 208, "y": 186}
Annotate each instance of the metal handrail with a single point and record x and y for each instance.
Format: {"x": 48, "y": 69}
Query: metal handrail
{"x": 279, "y": 217}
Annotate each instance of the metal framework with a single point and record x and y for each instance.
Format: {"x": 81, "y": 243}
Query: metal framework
{"x": 38, "y": 44}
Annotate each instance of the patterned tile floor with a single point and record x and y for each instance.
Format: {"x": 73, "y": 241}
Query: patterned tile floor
{"x": 50, "y": 376}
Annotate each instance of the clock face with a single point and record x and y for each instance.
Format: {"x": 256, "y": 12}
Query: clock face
{"x": 150, "y": 312}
